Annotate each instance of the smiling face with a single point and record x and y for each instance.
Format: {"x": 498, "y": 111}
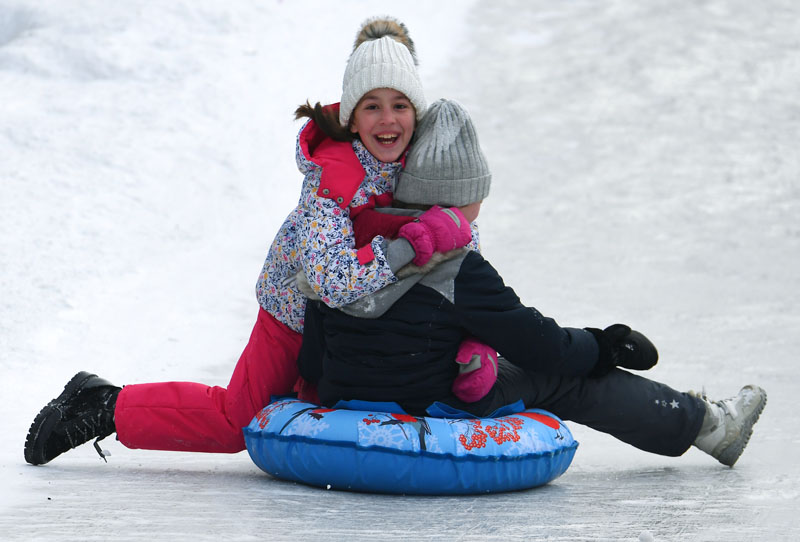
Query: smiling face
{"x": 384, "y": 119}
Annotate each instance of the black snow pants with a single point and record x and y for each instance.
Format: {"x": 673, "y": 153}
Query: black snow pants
{"x": 643, "y": 413}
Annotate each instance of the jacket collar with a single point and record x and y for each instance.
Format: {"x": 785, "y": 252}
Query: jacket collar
{"x": 344, "y": 165}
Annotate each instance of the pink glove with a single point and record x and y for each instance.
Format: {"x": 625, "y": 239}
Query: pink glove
{"x": 436, "y": 230}
{"x": 477, "y": 372}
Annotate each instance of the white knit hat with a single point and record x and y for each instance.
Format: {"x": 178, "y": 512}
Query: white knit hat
{"x": 382, "y": 58}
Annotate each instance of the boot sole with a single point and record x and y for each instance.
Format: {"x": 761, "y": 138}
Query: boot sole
{"x": 48, "y": 417}
{"x": 732, "y": 453}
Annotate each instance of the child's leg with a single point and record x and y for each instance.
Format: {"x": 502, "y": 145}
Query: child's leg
{"x": 185, "y": 416}
{"x": 646, "y": 414}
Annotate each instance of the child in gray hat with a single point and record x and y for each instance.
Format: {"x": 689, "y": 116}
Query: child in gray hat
{"x": 399, "y": 344}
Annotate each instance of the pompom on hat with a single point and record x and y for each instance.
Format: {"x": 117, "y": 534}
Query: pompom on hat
{"x": 445, "y": 165}
{"x": 383, "y": 57}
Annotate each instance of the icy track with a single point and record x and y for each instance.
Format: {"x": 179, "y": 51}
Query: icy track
{"x": 646, "y": 171}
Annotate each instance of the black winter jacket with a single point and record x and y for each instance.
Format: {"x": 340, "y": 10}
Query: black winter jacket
{"x": 400, "y": 343}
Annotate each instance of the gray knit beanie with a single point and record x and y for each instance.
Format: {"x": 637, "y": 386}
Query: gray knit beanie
{"x": 445, "y": 165}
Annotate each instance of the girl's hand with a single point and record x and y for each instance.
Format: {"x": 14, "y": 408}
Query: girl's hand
{"x": 436, "y": 230}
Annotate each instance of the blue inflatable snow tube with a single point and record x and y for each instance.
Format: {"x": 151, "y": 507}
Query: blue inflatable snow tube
{"x": 385, "y": 452}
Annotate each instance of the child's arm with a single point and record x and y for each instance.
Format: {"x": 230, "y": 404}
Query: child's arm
{"x": 370, "y": 223}
{"x": 337, "y": 272}
{"x": 340, "y": 272}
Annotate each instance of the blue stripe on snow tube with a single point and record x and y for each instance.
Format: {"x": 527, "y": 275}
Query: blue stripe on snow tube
{"x": 396, "y": 453}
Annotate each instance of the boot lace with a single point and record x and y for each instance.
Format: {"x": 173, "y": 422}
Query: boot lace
{"x": 102, "y": 453}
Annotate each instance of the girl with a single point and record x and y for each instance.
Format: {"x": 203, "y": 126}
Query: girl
{"x": 350, "y": 155}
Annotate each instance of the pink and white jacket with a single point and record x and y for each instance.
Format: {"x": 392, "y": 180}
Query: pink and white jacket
{"x": 340, "y": 180}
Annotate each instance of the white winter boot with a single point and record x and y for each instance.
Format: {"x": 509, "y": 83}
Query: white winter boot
{"x": 728, "y": 423}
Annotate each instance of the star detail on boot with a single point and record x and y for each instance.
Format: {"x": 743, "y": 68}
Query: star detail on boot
{"x": 674, "y": 404}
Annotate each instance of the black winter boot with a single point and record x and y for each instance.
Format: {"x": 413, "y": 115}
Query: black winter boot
{"x": 620, "y": 346}
{"x": 83, "y": 411}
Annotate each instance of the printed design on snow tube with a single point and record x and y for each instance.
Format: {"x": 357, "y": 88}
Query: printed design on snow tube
{"x": 385, "y": 452}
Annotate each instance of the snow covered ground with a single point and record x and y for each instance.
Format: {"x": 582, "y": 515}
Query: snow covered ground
{"x": 646, "y": 170}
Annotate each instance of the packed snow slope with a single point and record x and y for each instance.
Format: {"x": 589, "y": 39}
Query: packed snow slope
{"x": 646, "y": 171}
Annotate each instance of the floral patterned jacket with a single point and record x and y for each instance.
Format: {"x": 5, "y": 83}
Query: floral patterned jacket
{"x": 340, "y": 180}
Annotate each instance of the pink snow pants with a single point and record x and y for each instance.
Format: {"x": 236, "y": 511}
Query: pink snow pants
{"x": 189, "y": 417}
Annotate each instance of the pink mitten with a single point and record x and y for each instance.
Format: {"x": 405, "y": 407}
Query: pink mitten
{"x": 436, "y": 230}
{"x": 477, "y": 372}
